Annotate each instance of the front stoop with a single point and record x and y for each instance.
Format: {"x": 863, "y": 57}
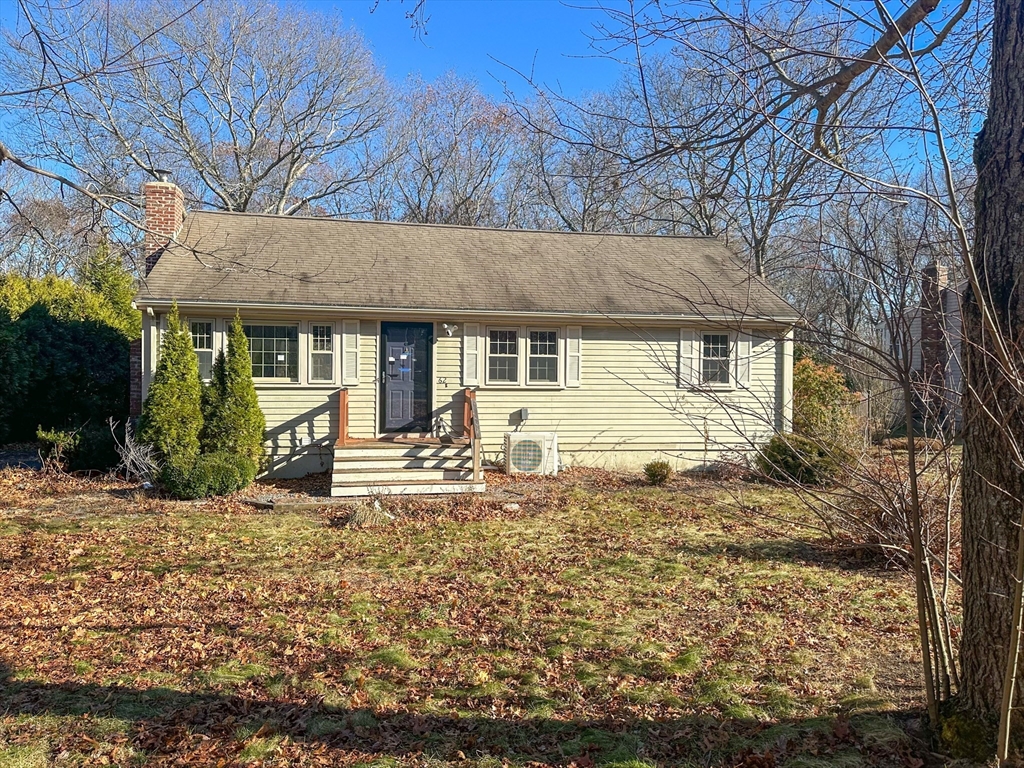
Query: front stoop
{"x": 403, "y": 468}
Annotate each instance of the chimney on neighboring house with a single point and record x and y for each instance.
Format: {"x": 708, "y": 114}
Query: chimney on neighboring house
{"x": 165, "y": 211}
{"x": 934, "y": 280}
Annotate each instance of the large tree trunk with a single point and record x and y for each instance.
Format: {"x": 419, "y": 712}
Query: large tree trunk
{"x": 993, "y": 484}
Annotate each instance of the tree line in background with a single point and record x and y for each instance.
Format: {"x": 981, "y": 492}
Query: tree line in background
{"x": 832, "y": 145}
{"x": 261, "y": 107}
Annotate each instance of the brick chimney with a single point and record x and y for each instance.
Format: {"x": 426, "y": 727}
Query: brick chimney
{"x": 934, "y": 280}
{"x": 165, "y": 211}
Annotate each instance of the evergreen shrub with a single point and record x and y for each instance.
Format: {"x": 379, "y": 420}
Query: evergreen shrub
{"x": 211, "y": 474}
{"x": 789, "y": 458}
{"x": 657, "y": 472}
{"x": 172, "y": 416}
{"x": 233, "y": 420}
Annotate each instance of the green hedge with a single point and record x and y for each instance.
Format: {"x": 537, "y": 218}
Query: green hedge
{"x": 212, "y": 474}
{"x": 64, "y": 361}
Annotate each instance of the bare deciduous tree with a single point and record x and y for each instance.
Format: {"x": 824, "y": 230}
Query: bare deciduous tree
{"x": 254, "y": 107}
{"x": 454, "y": 159}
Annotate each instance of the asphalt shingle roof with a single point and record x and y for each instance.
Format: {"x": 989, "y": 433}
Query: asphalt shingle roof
{"x": 240, "y": 258}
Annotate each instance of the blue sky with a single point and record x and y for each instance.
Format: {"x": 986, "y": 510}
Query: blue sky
{"x": 475, "y": 37}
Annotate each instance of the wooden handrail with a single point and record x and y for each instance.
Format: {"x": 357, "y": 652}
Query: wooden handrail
{"x": 475, "y": 434}
{"x": 467, "y": 412}
{"x": 471, "y": 429}
{"x": 342, "y": 418}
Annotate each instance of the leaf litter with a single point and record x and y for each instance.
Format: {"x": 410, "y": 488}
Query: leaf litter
{"x": 594, "y": 621}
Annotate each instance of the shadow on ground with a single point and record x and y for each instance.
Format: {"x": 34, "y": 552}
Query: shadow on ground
{"x": 217, "y": 727}
{"x": 19, "y": 458}
{"x": 790, "y": 551}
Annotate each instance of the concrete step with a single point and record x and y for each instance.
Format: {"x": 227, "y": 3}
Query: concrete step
{"x": 407, "y": 489}
{"x": 397, "y": 475}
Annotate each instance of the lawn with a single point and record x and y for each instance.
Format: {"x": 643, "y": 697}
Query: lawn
{"x": 599, "y": 622}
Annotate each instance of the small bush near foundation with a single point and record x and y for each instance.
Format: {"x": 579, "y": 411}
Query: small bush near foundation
{"x": 788, "y": 458}
{"x": 212, "y": 474}
{"x": 657, "y": 472}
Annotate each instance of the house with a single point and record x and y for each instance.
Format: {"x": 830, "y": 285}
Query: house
{"x": 381, "y": 346}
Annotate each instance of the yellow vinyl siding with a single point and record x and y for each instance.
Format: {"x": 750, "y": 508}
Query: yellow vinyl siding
{"x": 628, "y": 407}
{"x": 301, "y": 422}
{"x": 448, "y": 389}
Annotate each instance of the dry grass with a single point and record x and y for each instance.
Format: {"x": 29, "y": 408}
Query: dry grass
{"x": 600, "y": 623}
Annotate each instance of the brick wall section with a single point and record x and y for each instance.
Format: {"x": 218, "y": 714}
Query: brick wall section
{"x": 934, "y": 280}
{"x": 135, "y": 378}
{"x": 165, "y": 210}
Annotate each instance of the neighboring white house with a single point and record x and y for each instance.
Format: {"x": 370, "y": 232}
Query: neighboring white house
{"x": 627, "y": 347}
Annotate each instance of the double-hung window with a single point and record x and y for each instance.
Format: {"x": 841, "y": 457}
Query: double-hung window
{"x": 503, "y": 356}
{"x": 202, "y": 341}
{"x": 518, "y": 356}
{"x": 714, "y": 358}
{"x": 542, "y": 367}
{"x": 274, "y": 350}
{"x": 321, "y": 352}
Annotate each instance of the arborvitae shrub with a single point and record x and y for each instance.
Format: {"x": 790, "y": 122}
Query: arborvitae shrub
{"x": 657, "y": 472}
{"x": 209, "y": 438}
{"x": 234, "y": 421}
{"x": 171, "y": 415}
{"x": 212, "y": 400}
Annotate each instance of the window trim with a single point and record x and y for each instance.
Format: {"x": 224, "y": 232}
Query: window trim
{"x": 487, "y": 356}
{"x": 213, "y": 342}
{"x": 299, "y": 357}
{"x": 335, "y": 348}
{"x": 559, "y": 357}
{"x": 523, "y": 358}
{"x": 731, "y": 351}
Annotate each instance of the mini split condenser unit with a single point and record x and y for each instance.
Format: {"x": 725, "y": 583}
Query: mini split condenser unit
{"x": 534, "y": 453}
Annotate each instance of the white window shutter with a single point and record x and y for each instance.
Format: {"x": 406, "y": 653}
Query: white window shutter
{"x": 742, "y": 353}
{"x": 350, "y": 353}
{"x": 573, "y": 355}
{"x": 471, "y": 355}
{"x": 688, "y": 368}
